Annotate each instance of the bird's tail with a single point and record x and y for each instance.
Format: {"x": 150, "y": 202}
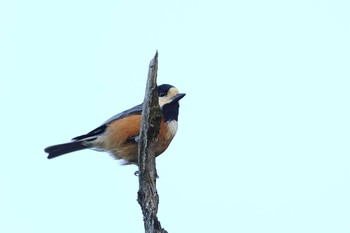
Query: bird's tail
{"x": 61, "y": 149}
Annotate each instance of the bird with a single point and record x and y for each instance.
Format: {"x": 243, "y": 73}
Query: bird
{"x": 119, "y": 135}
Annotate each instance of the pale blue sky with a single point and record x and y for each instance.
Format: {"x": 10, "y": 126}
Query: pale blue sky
{"x": 263, "y": 139}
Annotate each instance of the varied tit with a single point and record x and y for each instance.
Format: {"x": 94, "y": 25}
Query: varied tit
{"x": 119, "y": 135}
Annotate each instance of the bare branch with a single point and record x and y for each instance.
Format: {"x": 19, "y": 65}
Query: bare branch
{"x": 151, "y": 117}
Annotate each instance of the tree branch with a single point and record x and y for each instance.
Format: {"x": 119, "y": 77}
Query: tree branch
{"x": 151, "y": 117}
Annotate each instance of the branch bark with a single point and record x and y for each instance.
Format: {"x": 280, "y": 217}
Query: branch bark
{"x": 151, "y": 117}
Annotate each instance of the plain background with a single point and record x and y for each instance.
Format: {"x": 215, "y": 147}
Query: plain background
{"x": 263, "y": 139}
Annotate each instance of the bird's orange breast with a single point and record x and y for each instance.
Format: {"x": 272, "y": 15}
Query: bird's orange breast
{"x": 117, "y": 141}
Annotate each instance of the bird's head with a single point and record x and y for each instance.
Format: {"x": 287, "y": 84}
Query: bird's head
{"x": 168, "y": 94}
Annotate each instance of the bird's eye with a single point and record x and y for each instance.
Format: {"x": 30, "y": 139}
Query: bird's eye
{"x": 161, "y": 94}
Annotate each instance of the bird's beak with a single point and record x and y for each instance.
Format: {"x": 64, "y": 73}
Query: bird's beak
{"x": 179, "y": 96}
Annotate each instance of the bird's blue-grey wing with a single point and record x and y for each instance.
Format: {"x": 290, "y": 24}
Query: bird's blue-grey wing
{"x": 101, "y": 129}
